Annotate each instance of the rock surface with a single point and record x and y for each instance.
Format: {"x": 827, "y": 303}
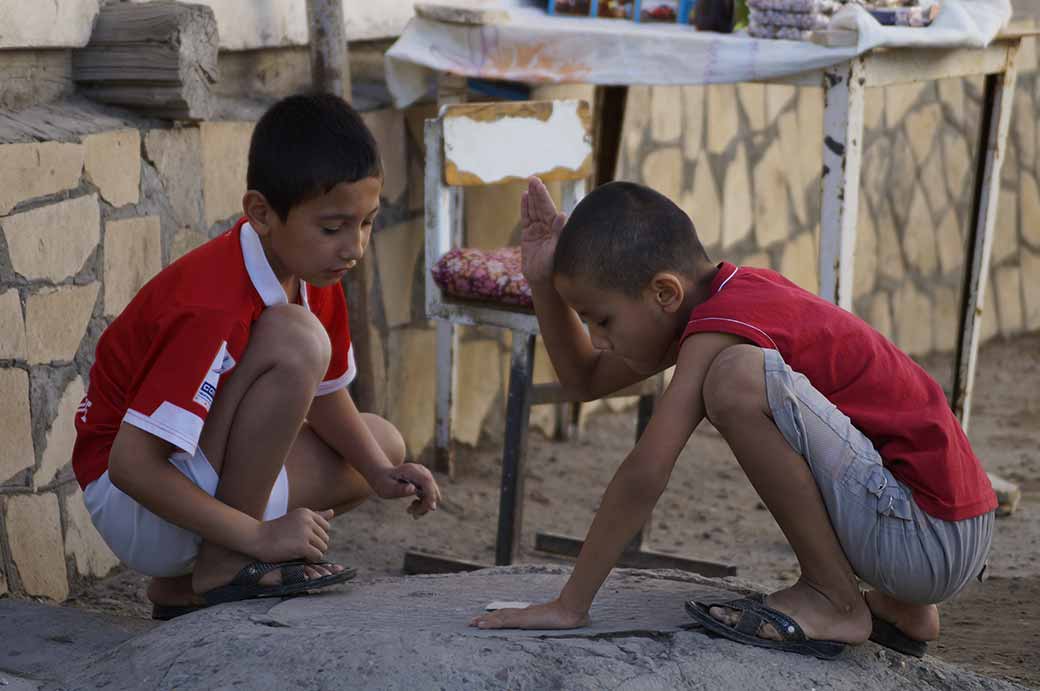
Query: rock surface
{"x": 411, "y": 633}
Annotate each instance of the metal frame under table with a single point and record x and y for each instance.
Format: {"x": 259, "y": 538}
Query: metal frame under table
{"x": 845, "y": 88}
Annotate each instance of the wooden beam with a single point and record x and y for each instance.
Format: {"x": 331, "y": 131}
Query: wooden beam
{"x": 421, "y": 562}
{"x": 330, "y": 64}
{"x": 330, "y": 73}
{"x": 993, "y": 138}
{"x": 905, "y": 65}
{"x": 159, "y": 58}
{"x": 842, "y": 153}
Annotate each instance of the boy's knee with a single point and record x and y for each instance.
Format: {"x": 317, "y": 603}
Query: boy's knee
{"x": 734, "y": 384}
{"x": 388, "y": 437}
{"x": 295, "y": 337}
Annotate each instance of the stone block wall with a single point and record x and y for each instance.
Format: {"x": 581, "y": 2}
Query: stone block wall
{"x": 87, "y": 216}
{"x": 89, "y": 210}
{"x": 744, "y": 162}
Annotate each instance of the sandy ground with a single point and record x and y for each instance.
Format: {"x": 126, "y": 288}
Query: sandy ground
{"x": 711, "y": 512}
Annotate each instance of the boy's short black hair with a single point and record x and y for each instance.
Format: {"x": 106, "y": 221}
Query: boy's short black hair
{"x": 305, "y": 145}
{"x": 622, "y": 234}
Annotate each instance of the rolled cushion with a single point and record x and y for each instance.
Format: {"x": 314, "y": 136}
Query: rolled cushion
{"x": 485, "y": 275}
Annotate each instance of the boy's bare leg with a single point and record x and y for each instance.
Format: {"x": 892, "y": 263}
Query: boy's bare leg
{"x": 255, "y": 421}
{"x": 825, "y": 601}
{"x": 319, "y": 478}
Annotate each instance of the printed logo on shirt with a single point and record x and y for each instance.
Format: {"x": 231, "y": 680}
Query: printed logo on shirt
{"x": 84, "y": 408}
{"x": 208, "y": 388}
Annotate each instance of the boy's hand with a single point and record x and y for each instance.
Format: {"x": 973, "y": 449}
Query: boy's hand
{"x": 551, "y": 615}
{"x": 410, "y": 480}
{"x": 541, "y": 229}
{"x": 299, "y": 534}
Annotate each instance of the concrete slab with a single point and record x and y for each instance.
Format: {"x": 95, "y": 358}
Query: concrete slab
{"x": 409, "y": 633}
{"x": 11, "y": 683}
{"x": 638, "y": 605}
{"x": 47, "y": 643}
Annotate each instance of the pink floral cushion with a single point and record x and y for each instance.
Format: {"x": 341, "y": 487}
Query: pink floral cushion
{"x": 488, "y": 275}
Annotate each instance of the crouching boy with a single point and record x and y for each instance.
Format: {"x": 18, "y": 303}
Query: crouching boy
{"x": 217, "y": 437}
{"x": 850, "y": 444}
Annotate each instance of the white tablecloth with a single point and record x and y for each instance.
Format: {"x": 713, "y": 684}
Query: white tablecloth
{"x": 533, "y": 47}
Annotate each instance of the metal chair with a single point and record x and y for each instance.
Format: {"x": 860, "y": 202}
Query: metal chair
{"x": 489, "y": 144}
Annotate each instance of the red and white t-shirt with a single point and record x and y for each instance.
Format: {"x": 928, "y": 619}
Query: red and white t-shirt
{"x": 158, "y": 366}
{"x": 888, "y": 396}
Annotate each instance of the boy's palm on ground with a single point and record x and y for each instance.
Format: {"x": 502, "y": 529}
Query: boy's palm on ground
{"x": 551, "y": 615}
{"x": 541, "y": 226}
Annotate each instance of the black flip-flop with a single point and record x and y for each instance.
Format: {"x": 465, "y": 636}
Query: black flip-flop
{"x": 755, "y": 613}
{"x": 167, "y": 612}
{"x": 891, "y": 637}
{"x": 246, "y": 584}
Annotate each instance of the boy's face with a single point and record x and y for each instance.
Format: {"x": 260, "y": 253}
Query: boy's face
{"x": 637, "y": 330}
{"x": 324, "y": 237}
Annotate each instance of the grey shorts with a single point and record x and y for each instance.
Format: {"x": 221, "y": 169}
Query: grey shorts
{"x": 890, "y": 542}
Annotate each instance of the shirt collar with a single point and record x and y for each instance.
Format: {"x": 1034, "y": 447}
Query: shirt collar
{"x": 261, "y": 273}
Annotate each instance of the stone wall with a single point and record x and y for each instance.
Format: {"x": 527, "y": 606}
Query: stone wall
{"x": 242, "y": 24}
{"x": 87, "y": 216}
{"x": 744, "y": 161}
{"x": 92, "y": 204}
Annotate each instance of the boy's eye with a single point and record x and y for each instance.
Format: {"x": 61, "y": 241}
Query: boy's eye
{"x": 602, "y": 323}
{"x": 330, "y": 231}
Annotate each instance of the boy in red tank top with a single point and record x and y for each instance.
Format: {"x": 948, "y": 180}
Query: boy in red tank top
{"x": 850, "y": 444}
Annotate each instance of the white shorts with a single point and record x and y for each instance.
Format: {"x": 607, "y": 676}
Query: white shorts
{"x": 152, "y": 545}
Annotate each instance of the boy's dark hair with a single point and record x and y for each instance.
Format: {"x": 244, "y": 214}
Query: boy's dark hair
{"x": 305, "y": 145}
{"x": 622, "y": 234}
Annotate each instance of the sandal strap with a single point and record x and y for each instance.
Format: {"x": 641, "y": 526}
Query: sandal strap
{"x": 755, "y": 613}
{"x": 252, "y": 573}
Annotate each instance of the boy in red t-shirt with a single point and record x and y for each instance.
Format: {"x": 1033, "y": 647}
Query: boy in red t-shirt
{"x": 850, "y": 444}
{"x": 217, "y": 437}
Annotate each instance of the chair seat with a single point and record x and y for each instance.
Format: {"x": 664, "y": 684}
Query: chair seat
{"x": 490, "y": 276}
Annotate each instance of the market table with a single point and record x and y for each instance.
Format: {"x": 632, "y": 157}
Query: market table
{"x": 519, "y": 43}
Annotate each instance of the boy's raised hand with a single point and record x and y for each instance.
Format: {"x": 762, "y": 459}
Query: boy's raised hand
{"x": 551, "y": 615}
{"x": 541, "y": 226}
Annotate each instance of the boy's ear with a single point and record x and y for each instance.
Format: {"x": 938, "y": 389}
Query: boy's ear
{"x": 259, "y": 212}
{"x": 667, "y": 291}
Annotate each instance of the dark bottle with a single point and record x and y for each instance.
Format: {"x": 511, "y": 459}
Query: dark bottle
{"x": 714, "y": 15}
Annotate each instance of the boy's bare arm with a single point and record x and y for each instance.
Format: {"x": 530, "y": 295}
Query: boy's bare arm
{"x": 631, "y": 495}
{"x": 139, "y": 466}
{"x": 336, "y": 419}
{"x": 584, "y": 372}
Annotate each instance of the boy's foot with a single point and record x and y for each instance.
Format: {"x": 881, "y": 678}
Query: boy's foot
{"x": 819, "y": 618}
{"x": 217, "y": 567}
{"x": 293, "y": 580}
{"x": 918, "y": 622}
{"x": 173, "y": 592}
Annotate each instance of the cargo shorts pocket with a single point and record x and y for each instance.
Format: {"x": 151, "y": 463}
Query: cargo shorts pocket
{"x": 878, "y": 487}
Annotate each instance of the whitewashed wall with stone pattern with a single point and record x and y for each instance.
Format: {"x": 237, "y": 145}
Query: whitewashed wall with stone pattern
{"x": 744, "y": 162}
{"x": 87, "y": 216}
{"x": 242, "y": 24}
{"x": 90, "y": 210}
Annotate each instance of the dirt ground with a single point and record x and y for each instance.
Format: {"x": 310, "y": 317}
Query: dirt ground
{"x": 711, "y": 512}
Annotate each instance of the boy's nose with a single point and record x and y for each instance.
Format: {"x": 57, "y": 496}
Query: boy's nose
{"x": 599, "y": 342}
{"x": 352, "y": 248}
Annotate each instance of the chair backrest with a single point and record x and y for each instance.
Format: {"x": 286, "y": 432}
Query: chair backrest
{"x": 491, "y": 143}
{"x": 472, "y": 144}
